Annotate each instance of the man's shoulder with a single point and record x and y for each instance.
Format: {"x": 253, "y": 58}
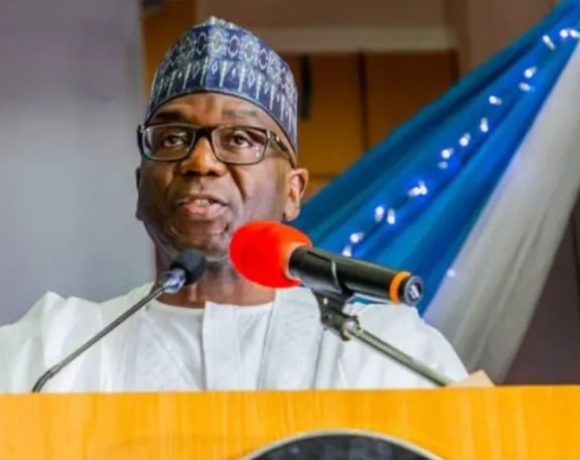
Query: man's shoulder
{"x": 400, "y": 323}
{"x": 49, "y": 330}
{"x": 380, "y": 313}
{"x": 387, "y": 315}
{"x": 403, "y": 327}
{"x": 54, "y": 313}
{"x": 52, "y": 303}
{"x": 400, "y": 326}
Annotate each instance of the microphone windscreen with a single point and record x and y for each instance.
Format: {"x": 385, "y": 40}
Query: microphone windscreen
{"x": 260, "y": 251}
{"x": 192, "y": 262}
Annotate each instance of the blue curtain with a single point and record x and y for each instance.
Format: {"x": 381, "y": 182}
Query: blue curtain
{"x": 411, "y": 201}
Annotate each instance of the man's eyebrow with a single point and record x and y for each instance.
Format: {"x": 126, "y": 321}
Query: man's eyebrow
{"x": 169, "y": 115}
{"x": 238, "y": 113}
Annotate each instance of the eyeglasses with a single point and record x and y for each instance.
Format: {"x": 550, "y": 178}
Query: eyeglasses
{"x": 238, "y": 145}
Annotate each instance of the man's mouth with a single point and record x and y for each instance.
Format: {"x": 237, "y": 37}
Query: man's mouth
{"x": 200, "y": 208}
{"x": 201, "y": 202}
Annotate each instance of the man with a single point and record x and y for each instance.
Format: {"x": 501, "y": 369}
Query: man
{"x": 218, "y": 150}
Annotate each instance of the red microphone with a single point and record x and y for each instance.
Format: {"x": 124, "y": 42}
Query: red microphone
{"x": 261, "y": 250}
{"x": 279, "y": 256}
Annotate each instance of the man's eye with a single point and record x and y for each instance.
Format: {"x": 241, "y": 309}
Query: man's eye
{"x": 171, "y": 140}
{"x": 241, "y": 139}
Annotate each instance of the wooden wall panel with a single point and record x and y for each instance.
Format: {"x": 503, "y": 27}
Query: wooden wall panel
{"x": 331, "y": 138}
{"x": 485, "y": 27}
{"x": 356, "y": 103}
{"x": 399, "y": 85}
{"x": 162, "y": 26}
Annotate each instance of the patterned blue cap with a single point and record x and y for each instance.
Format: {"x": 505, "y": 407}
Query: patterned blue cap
{"x": 218, "y": 56}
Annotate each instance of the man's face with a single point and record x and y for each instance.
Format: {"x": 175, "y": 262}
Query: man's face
{"x": 199, "y": 202}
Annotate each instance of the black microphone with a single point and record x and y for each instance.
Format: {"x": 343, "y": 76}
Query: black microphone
{"x": 326, "y": 272}
{"x": 187, "y": 268}
{"x": 276, "y": 255}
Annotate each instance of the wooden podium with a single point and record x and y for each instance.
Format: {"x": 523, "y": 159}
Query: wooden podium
{"x": 454, "y": 423}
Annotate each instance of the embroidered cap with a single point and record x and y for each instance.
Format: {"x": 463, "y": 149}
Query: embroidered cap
{"x": 218, "y": 56}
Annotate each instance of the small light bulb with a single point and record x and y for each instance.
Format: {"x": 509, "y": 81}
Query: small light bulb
{"x": 422, "y": 188}
{"x": 525, "y": 87}
{"x": 446, "y": 153}
{"x": 564, "y": 33}
{"x": 465, "y": 139}
{"x": 419, "y": 189}
{"x": 442, "y": 165}
{"x": 391, "y": 217}
{"x": 484, "y": 125}
{"x": 530, "y": 72}
{"x": 549, "y": 43}
{"x": 574, "y": 33}
{"x": 451, "y": 273}
{"x": 356, "y": 237}
{"x": 494, "y": 100}
{"x": 379, "y": 213}
{"x": 347, "y": 251}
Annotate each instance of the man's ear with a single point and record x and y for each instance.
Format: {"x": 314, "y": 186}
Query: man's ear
{"x": 297, "y": 182}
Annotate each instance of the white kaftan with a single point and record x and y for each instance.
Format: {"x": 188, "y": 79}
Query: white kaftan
{"x": 280, "y": 345}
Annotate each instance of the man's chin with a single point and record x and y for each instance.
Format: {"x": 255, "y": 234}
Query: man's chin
{"x": 214, "y": 244}
{"x": 214, "y": 249}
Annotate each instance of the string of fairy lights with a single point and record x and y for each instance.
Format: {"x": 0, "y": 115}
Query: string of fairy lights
{"x": 459, "y": 150}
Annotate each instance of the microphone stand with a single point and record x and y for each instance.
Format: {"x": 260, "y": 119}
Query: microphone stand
{"x": 347, "y": 327}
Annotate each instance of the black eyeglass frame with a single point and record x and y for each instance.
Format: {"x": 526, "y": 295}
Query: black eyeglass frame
{"x": 207, "y": 132}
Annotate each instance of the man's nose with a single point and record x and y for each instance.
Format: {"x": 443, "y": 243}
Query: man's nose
{"x": 202, "y": 160}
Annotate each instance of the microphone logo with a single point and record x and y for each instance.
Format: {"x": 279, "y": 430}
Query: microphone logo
{"x": 415, "y": 292}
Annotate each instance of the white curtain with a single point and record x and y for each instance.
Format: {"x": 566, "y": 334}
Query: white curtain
{"x": 71, "y": 94}
{"x": 486, "y": 303}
